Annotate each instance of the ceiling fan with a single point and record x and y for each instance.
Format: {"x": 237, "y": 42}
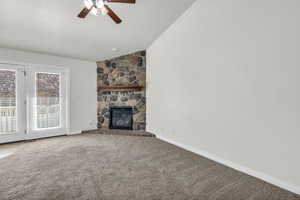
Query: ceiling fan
{"x": 97, "y": 7}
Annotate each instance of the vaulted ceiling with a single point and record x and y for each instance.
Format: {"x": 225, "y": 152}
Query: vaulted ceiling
{"x": 52, "y": 27}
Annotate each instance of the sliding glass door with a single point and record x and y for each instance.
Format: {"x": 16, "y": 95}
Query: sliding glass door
{"x": 33, "y": 102}
{"x": 12, "y": 103}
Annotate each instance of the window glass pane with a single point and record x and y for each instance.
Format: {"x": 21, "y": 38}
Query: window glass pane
{"x": 7, "y": 101}
{"x": 47, "y": 109}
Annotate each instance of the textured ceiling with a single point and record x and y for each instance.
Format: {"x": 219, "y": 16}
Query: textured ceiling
{"x": 51, "y": 26}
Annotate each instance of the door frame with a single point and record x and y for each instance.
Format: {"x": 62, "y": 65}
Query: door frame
{"x": 27, "y": 134}
{"x": 31, "y": 75}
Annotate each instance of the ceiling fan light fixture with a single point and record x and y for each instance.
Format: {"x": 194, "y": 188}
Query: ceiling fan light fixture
{"x": 104, "y": 11}
{"x": 96, "y": 7}
{"x": 95, "y": 11}
{"x": 100, "y": 3}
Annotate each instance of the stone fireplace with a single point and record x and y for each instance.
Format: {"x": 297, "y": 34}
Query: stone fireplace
{"x": 122, "y": 84}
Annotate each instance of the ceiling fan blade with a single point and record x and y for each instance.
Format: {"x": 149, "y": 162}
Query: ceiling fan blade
{"x": 113, "y": 15}
{"x": 121, "y": 1}
{"x": 84, "y": 12}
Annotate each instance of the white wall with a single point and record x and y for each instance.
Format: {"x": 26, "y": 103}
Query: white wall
{"x": 224, "y": 79}
{"x": 83, "y": 84}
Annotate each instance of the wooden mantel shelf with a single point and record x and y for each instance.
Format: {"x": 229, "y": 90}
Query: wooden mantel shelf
{"x": 121, "y": 88}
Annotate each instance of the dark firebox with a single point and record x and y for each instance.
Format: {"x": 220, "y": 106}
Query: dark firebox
{"x": 121, "y": 118}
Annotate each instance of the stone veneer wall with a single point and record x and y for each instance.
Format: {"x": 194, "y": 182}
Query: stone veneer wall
{"x": 129, "y": 70}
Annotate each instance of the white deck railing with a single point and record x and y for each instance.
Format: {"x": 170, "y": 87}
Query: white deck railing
{"x": 7, "y": 119}
{"x": 46, "y": 116}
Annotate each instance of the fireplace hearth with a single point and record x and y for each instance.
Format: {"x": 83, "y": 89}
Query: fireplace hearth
{"x": 121, "y": 118}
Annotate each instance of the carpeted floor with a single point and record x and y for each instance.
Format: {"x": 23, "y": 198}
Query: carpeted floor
{"x": 109, "y": 167}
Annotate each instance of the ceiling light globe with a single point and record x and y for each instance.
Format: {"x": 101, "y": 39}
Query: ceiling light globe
{"x": 88, "y": 4}
{"x": 95, "y": 11}
{"x": 100, "y": 3}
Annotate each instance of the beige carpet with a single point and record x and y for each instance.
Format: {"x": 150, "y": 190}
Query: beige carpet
{"x": 108, "y": 167}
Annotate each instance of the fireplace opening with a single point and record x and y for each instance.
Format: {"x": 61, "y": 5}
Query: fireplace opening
{"x": 121, "y": 118}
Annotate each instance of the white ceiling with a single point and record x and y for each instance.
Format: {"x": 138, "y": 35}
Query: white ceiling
{"x": 52, "y": 27}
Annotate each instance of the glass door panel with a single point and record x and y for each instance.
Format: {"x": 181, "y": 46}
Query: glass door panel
{"x": 8, "y": 122}
{"x": 12, "y": 107}
{"x": 47, "y": 108}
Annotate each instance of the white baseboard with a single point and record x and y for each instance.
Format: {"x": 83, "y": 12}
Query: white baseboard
{"x": 74, "y": 132}
{"x": 287, "y": 186}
